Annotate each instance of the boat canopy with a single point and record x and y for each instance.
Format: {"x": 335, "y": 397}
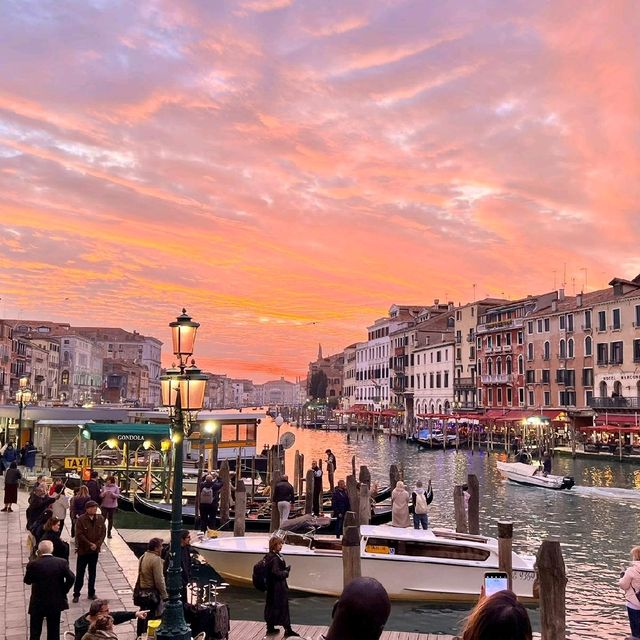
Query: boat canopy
{"x": 125, "y": 432}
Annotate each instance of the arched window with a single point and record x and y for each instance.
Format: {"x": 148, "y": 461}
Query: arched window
{"x": 563, "y": 349}
{"x": 570, "y": 348}
{"x": 588, "y": 346}
{"x": 520, "y": 365}
{"x": 547, "y": 350}
{"x": 64, "y": 377}
{"x": 489, "y": 367}
{"x": 617, "y": 389}
{"x": 603, "y": 389}
{"x": 509, "y": 365}
{"x": 498, "y": 366}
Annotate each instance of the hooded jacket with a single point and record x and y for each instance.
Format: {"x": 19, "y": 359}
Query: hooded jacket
{"x": 630, "y": 584}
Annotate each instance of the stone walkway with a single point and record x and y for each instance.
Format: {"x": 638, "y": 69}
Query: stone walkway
{"x": 112, "y": 582}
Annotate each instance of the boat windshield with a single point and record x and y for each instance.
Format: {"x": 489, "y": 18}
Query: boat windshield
{"x": 425, "y": 549}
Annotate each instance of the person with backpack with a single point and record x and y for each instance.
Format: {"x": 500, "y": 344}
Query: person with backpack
{"x": 421, "y": 499}
{"x": 630, "y": 583}
{"x": 276, "y": 608}
{"x": 209, "y": 500}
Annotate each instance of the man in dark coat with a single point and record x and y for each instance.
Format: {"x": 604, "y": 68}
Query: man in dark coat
{"x": 283, "y": 498}
{"x": 90, "y": 534}
{"x": 361, "y": 611}
{"x": 317, "y": 488}
{"x": 276, "y": 609}
{"x": 94, "y": 487}
{"x": 340, "y": 505}
{"x": 50, "y": 579}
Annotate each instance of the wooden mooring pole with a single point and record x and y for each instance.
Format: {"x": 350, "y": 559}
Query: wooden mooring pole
{"x": 308, "y": 492}
{"x": 505, "y": 549}
{"x": 459, "y": 509}
{"x": 552, "y": 582}
{"x": 474, "y": 503}
{"x": 240, "y": 508}
{"x": 225, "y": 492}
{"x": 351, "y": 567}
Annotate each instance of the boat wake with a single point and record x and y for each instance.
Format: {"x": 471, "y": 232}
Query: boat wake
{"x": 608, "y": 493}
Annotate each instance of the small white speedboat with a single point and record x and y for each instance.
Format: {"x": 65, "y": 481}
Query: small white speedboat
{"x": 431, "y": 565}
{"x": 533, "y": 475}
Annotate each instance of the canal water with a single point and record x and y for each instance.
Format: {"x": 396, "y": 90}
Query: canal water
{"x": 597, "y": 522}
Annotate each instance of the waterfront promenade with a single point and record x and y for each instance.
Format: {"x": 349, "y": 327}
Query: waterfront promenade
{"x": 116, "y": 575}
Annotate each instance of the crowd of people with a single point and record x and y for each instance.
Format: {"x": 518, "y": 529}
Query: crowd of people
{"x": 360, "y": 613}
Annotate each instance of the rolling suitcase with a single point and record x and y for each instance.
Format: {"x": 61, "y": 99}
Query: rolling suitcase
{"x": 213, "y": 619}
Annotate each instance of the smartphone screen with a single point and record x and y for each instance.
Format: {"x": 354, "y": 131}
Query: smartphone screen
{"x": 494, "y": 582}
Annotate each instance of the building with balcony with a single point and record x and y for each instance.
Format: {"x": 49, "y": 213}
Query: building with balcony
{"x": 616, "y": 347}
{"x": 559, "y": 357}
{"x": 125, "y": 382}
{"x": 119, "y": 344}
{"x": 500, "y": 351}
{"x": 432, "y": 374}
{"x": 349, "y": 376}
{"x": 466, "y": 321}
{"x": 5, "y": 360}
{"x": 80, "y": 371}
{"x": 46, "y": 367}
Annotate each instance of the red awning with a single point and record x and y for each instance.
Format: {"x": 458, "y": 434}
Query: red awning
{"x": 611, "y": 428}
{"x": 493, "y": 414}
{"x": 622, "y": 419}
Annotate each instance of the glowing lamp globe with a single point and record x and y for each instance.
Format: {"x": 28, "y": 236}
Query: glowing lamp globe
{"x": 183, "y": 335}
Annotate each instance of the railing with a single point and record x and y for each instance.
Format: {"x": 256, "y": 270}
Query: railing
{"x": 615, "y": 403}
{"x": 506, "y": 348}
{"x": 399, "y": 351}
{"x": 467, "y": 382}
{"x": 500, "y": 378}
{"x": 503, "y": 325}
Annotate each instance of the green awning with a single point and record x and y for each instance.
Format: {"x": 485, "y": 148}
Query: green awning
{"x": 126, "y": 432}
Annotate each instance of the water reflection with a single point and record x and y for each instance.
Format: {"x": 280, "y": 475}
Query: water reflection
{"x": 596, "y": 521}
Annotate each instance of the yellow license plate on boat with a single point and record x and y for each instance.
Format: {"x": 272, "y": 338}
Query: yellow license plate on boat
{"x": 377, "y": 548}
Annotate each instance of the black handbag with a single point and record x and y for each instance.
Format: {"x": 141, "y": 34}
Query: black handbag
{"x": 145, "y": 598}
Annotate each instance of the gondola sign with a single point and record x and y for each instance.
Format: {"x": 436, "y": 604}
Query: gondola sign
{"x": 287, "y": 440}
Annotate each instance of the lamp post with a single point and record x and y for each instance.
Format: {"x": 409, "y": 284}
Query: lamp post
{"x": 23, "y": 396}
{"x": 183, "y": 390}
{"x": 279, "y": 422}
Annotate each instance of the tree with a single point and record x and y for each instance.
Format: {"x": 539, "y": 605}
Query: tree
{"x": 318, "y": 385}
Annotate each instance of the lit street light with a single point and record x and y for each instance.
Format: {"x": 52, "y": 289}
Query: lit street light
{"x": 23, "y": 397}
{"x": 183, "y": 389}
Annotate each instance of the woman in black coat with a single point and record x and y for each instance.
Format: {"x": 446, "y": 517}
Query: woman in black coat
{"x": 38, "y": 502}
{"x": 276, "y": 609}
{"x": 52, "y": 532}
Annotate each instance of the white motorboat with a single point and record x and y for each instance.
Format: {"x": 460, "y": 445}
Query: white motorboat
{"x": 431, "y": 565}
{"x": 533, "y": 475}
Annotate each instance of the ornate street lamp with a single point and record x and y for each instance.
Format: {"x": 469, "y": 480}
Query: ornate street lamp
{"x": 183, "y": 390}
{"x": 23, "y": 397}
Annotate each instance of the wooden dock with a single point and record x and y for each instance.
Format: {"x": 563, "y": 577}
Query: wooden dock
{"x": 249, "y": 630}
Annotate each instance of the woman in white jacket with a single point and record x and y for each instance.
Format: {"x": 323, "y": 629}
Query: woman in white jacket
{"x": 60, "y": 506}
{"x": 630, "y": 584}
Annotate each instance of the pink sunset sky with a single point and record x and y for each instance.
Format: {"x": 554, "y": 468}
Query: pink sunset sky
{"x": 288, "y": 169}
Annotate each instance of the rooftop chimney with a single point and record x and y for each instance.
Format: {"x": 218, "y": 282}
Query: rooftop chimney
{"x": 450, "y": 305}
{"x": 554, "y": 305}
{"x": 560, "y": 295}
{"x": 436, "y": 302}
{"x": 579, "y": 300}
